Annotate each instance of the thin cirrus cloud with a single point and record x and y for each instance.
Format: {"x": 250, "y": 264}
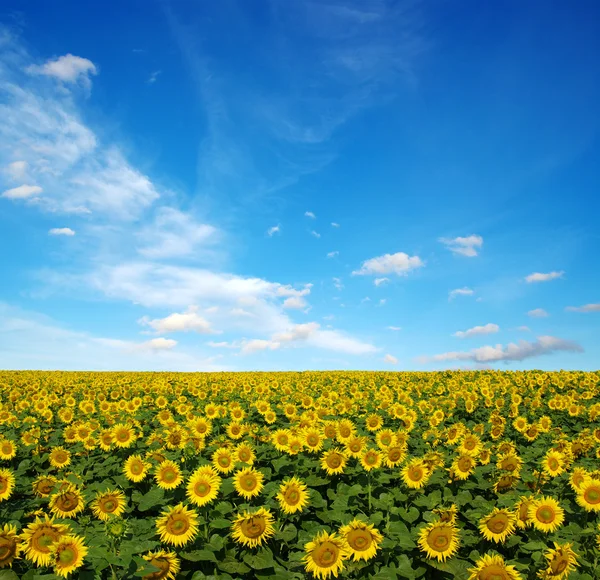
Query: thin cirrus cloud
{"x": 477, "y": 331}
{"x": 315, "y": 234}
{"x": 61, "y": 232}
{"x": 335, "y": 225}
{"x": 22, "y": 192}
{"x": 398, "y": 263}
{"x": 274, "y": 230}
{"x": 333, "y": 254}
{"x": 460, "y": 292}
{"x": 539, "y": 277}
{"x": 538, "y": 313}
{"x": 310, "y": 214}
{"x": 512, "y": 352}
{"x": 394, "y": 328}
{"x": 380, "y": 281}
{"x": 584, "y": 308}
{"x": 468, "y": 246}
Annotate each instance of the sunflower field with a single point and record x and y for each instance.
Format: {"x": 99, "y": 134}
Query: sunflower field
{"x": 471, "y": 475}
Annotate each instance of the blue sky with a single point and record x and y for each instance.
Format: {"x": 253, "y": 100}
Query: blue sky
{"x": 269, "y": 185}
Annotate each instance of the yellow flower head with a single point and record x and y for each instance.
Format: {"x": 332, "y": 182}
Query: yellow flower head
{"x": 67, "y": 502}
{"x": 203, "y": 486}
{"x": 110, "y": 503}
{"x": 67, "y": 554}
{"x": 562, "y": 560}
{"x": 334, "y": 461}
{"x": 361, "y": 539}
{"x": 177, "y": 525}
{"x": 588, "y": 495}
{"x": 439, "y": 540}
{"x": 415, "y": 474}
{"x": 135, "y": 468}
{"x": 493, "y": 567}
{"x": 324, "y": 556}
{"x": 168, "y": 475}
{"x": 39, "y": 536}
{"x": 545, "y": 514}
{"x": 9, "y": 545}
{"x": 498, "y": 525}
{"x": 167, "y": 562}
{"x": 7, "y": 484}
{"x": 252, "y": 529}
{"x": 248, "y": 482}
{"x": 292, "y": 496}
{"x": 222, "y": 459}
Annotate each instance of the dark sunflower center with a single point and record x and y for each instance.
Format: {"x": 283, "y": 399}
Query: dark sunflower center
{"x": 326, "y": 555}
{"x": 178, "y": 525}
{"x": 254, "y": 527}
{"x": 592, "y": 495}
{"x": 498, "y": 523}
{"x": 359, "y": 540}
{"x": 545, "y": 514}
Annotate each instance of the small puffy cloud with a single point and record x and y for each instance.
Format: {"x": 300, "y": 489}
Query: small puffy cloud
{"x": 153, "y": 77}
{"x": 524, "y": 328}
{"x": 67, "y": 68}
{"x": 398, "y": 263}
{"x": 315, "y": 234}
{"x": 584, "y": 308}
{"x": 467, "y": 246}
{"x": 333, "y": 254}
{"x": 511, "y": 352}
{"x": 538, "y": 313}
{"x": 16, "y": 170}
{"x": 295, "y": 303}
{"x": 310, "y": 214}
{"x": 274, "y": 230}
{"x": 22, "y": 192}
{"x": 159, "y": 343}
{"x": 388, "y": 358}
{"x": 335, "y": 225}
{"x": 286, "y": 291}
{"x": 460, "y": 292}
{"x": 539, "y": 277}
{"x": 61, "y": 232}
{"x": 179, "y": 322}
{"x": 478, "y": 330}
{"x": 394, "y": 328}
{"x": 380, "y": 281}
{"x": 258, "y": 344}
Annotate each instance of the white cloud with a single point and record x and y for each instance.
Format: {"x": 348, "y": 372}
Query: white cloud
{"x": 223, "y": 344}
{"x": 398, "y": 263}
{"x": 394, "y": 328}
{"x": 335, "y": 225}
{"x": 154, "y": 76}
{"x": 467, "y": 246}
{"x": 460, "y": 292}
{"x": 315, "y": 234}
{"x": 538, "y": 277}
{"x": 388, "y": 358}
{"x": 61, "y": 232}
{"x": 337, "y": 282}
{"x": 159, "y": 343}
{"x": 310, "y": 214}
{"x": 17, "y": 170}
{"x": 380, "y": 281}
{"x": 186, "y": 321}
{"x": 258, "y": 344}
{"x": 67, "y": 68}
{"x": 538, "y": 313}
{"x": 511, "y": 352}
{"x": 477, "y": 330}
{"x": 295, "y": 302}
{"x": 584, "y": 308}
{"x": 22, "y": 192}
{"x": 333, "y": 254}
{"x": 174, "y": 233}
{"x": 524, "y": 328}
{"x": 274, "y": 230}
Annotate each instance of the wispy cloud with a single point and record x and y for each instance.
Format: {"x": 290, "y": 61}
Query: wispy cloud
{"x": 460, "y": 292}
{"x": 477, "y": 330}
{"x": 394, "y": 328}
{"x": 154, "y": 77}
{"x": 67, "y": 68}
{"x": 584, "y": 308}
{"x": 468, "y": 246}
{"x": 538, "y": 313}
{"x": 380, "y": 281}
{"x": 315, "y": 234}
{"x": 511, "y": 352}
{"x": 274, "y": 230}
{"x": 310, "y": 214}
{"x": 335, "y": 225}
{"x": 539, "y": 277}
{"x": 333, "y": 254}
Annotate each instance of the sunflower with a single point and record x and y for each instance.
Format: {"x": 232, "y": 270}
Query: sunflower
{"x": 510, "y": 462}
{"x": 168, "y": 475}
{"x": 493, "y": 567}
{"x": 9, "y": 545}
{"x": 463, "y": 466}
{"x": 522, "y": 512}
{"x": 553, "y": 463}
{"x": 394, "y": 455}
{"x": 588, "y": 495}
{"x": 135, "y": 468}
{"x": 577, "y": 477}
{"x": 67, "y": 502}
{"x": 562, "y": 560}
{"x": 385, "y": 438}
{"x": 373, "y": 422}
{"x": 248, "y": 482}
{"x": 415, "y": 474}
{"x": 222, "y": 459}
{"x": 361, "y": 539}
{"x": 167, "y": 562}
{"x": 252, "y": 529}
{"x": 8, "y": 449}
{"x": 60, "y": 457}
{"x": 470, "y": 445}
{"x": 439, "y": 540}
{"x": 545, "y": 514}
{"x": 124, "y": 435}
{"x": 39, "y": 536}
{"x": 370, "y": 459}
{"x": 235, "y": 430}
{"x": 106, "y": 439}
{"x": 447, "y": 514}
{"x": 354, "y": 446}
{"x": 325, "y": 554}
{"x": 498, "y": 525}
{"x": 203, "y": 486}
{"x": 504, "y": 483}
{"x": 292, "y": 496}
{"x": 245, "y": 454}
{"x": 108, "y": 503}
{"x": 312, "y": 439}
{"x": 177, "y": 525}
{"x": 334, "y": 461}
{"x": 67, "y": 554}
{"x": 7, "y": 483}
{"x": 281, "y": 439}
